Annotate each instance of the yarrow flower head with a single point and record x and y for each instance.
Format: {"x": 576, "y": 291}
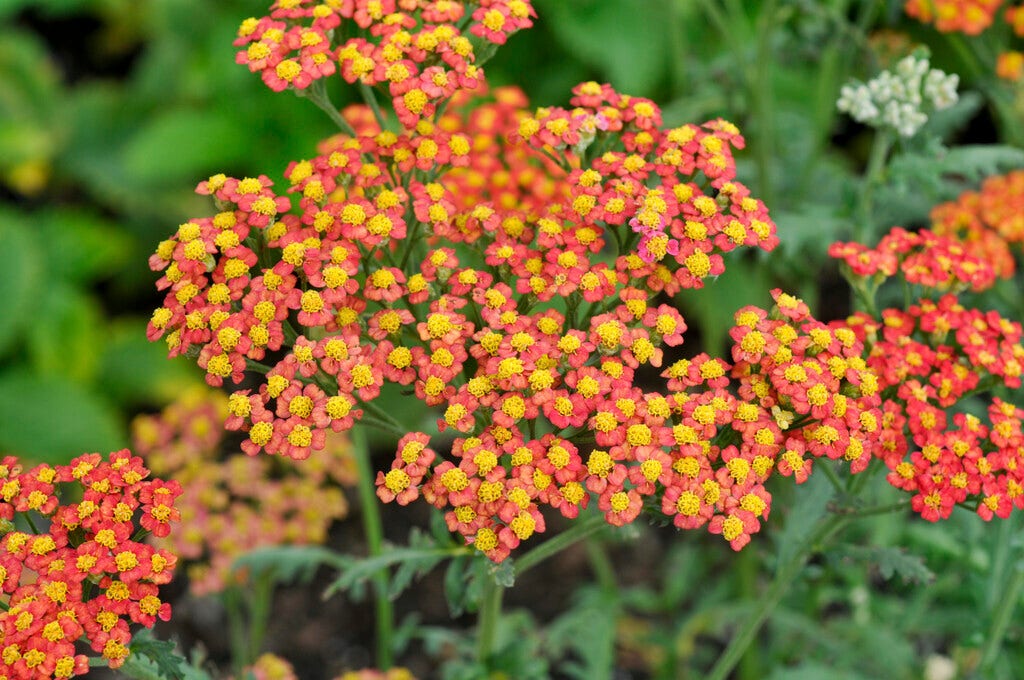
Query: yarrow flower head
{"x": 86, "y": 578}
{"x": 902, "y": 98}
{"x": 959, "y": 16}
{"x": 241, "y": 503}
{"x": 989, "y": 223}
{"x": 928, "y": 358}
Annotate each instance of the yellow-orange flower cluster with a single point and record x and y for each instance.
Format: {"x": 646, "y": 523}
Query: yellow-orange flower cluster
{"x": 989, "y": 222}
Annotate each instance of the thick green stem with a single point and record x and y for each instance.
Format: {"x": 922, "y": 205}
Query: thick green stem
{"x": 373, "y": 528}
{"x": 236, "y": 629}
{"x": 864, "y": 224}
{"x": 487, "y": 623}
{"x": 785, "y": 576}
{"x": 259, "y": 613}
{"x": 1001, "y": 620}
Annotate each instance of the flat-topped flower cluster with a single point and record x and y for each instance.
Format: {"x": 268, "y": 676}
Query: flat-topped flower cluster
{"x": 72, "y": 564}
{"x": 929, "y": 358}
{"x": 515, "y": 270}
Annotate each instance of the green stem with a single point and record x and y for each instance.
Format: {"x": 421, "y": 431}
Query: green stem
{"x": 880, "y": 147}
{"x": 371, "y": 100}
{"x": 236, "y": 629}
{"x": 259, "y": 613}
{"x": 317, "y": 93}
{"x": 604, "y": 570}
{"x": 579, "y": 530}
{"x": 833, "y": 478}
{"x": 373, "y": 528}
{"x": 487, "y": 623}
{"x": 785, "y": 576}
{"x": 383, "y": 415}
{"x": 760, "y": 84}
{"x": 1001, "y": 620}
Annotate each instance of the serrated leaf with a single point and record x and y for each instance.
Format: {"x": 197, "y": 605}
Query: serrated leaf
{"x": 19, "y": 277}
{"x": 890, "y": 561}
{"x": 504, "y": 574}
{"x": 415, "y": 568}
{"x": 153, "y": 659}
{"x": 51, "y": 419}
{"x": 812, "y": 498}
{"x": 288, "y": 563}
{"x": 355, "y": 574}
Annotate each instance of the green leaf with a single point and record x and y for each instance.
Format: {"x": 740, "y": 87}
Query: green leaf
{"x": 890, "y": 561}
{"x": 20, "y": 277}
{"x": 51, "y": 419}
{"x": 588, "y": 628}
{"x": 713, "y": 306}
{"x": 153, "y": 659}
{"x": 181, "y": 145}
{"x": 288, "y": 563}
{"x": 82, "y": 246}
{"x": 812, "y": 498}
{"x": 412, "y": 561}
{"x": 616, "y": 37}
{"x": 64, "y": 336}
{"x": 415, "y": 568}
{"x": 132, "y": 370}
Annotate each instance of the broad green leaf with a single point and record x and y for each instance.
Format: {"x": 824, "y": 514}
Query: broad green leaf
{"x": 619, "y": 37}
{"x": 20, "y": 277}
{"x": 710, "y": 309}
{"x": 51, "y": 419}
{"x": 65, "y": 334}
{"x": 81, "y": 246}
{"x": 134, "y": 370}
{"x": 181, "y": 145}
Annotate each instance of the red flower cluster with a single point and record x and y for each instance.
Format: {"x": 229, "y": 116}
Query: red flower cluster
{"x": 413, "y": 49}
{"x": 367, "y": 319}
{"x": 989, "y": 222}
{"x": 527, "y": 332}
{"x": 86, "y": 576}
{"x": 929, "y": 358}
{"x": 701, "y": 451}
{"x": 924, "y": 258}
{"x": 241, "y": 503}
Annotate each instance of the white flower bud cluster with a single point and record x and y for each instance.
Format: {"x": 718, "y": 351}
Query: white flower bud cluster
{"x": 901, "y": 98}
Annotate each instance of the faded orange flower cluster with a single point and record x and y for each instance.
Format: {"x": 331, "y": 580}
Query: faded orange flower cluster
{"x": 237, "y": 504}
